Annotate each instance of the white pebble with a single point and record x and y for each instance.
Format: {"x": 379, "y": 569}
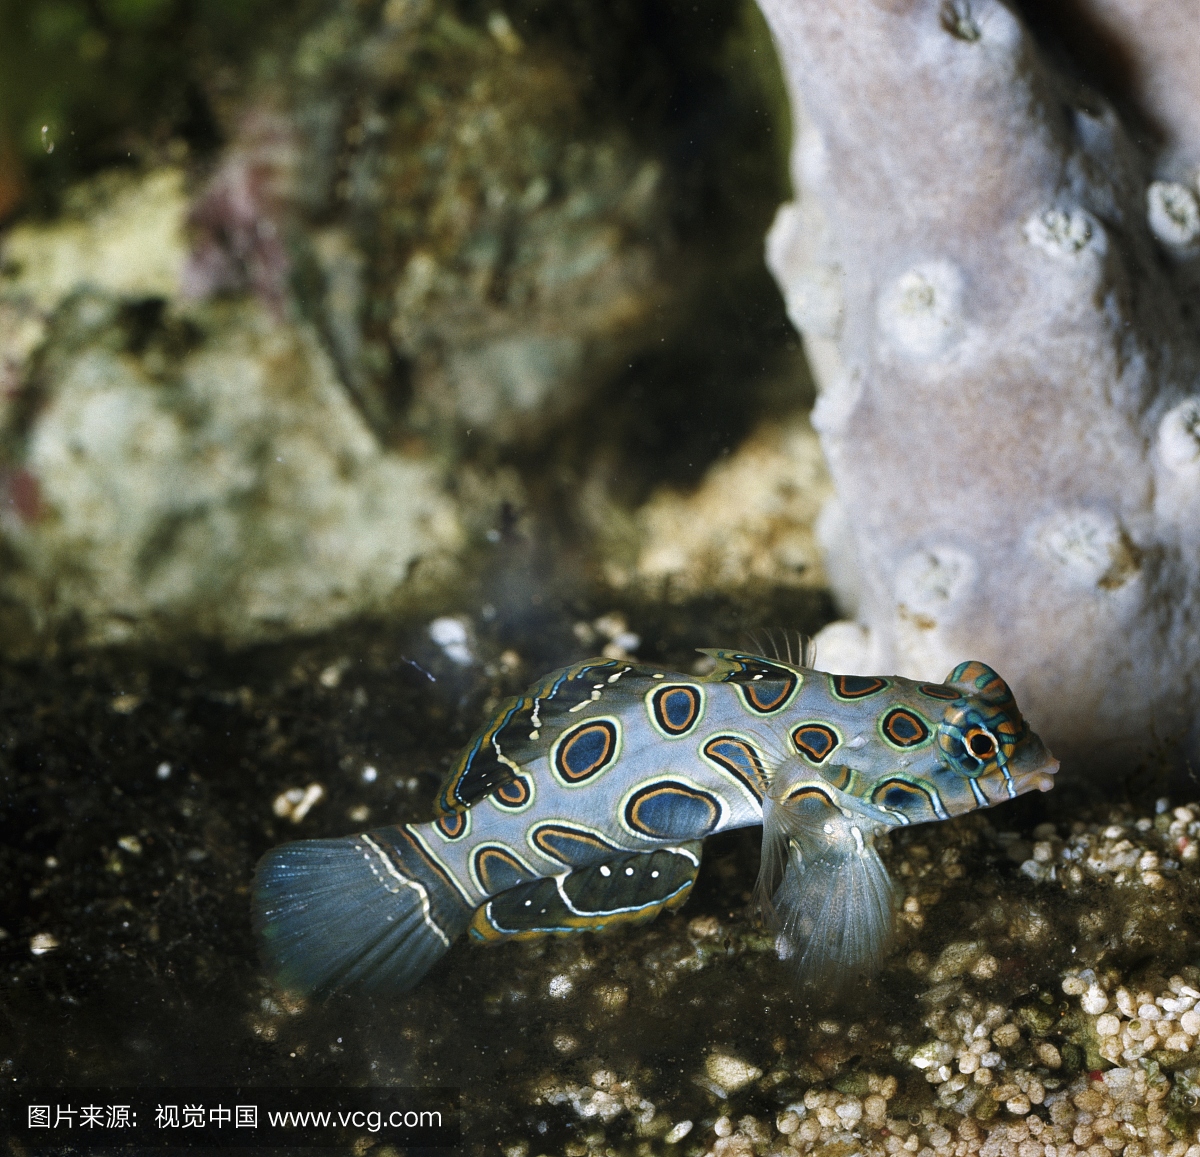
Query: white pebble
{"x": 730, "y": 1073}
{"x": 677, "y": 1132}
{"x": 42, "y": 942}
{"x": 931, "y": 1055}
{"x": 295, "y": 803}
{"x": 1018, "y": 1104}
{"x": 1108, "y": 1025}
{"x": 560, "y": 986}
{"x": 1190, "y": 1022}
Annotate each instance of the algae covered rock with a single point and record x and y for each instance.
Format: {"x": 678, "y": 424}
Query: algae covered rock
{"x": 235, "y": 393}
{"x": 400, "y": 299}
{"x": 478, "y": 241}
{"x": 200, "y": 471}
{"x": 526, "y": 247}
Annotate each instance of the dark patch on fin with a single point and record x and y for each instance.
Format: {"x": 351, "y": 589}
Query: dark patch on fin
{"x": 516, "y": 734}
{"x": 629, "y": 889}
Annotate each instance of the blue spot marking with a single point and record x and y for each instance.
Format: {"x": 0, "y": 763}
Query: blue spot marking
{"x": 667, "y": 810}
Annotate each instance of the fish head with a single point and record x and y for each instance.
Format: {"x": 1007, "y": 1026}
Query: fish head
{"x": 984, "y": 738}
{"x": 981, "y": 751}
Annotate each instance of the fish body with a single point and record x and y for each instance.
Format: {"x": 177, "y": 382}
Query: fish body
{"x": 583, "y": 804}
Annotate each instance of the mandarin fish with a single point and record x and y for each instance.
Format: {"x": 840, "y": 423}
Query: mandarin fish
{"x": 582, "y": 805}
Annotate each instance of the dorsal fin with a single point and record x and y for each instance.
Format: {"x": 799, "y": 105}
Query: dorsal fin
{"x": 767, "y": 685}
{"x": 783, "y": 644}
{"x": 516, "y": 732}
{"x": 738, "y": 666}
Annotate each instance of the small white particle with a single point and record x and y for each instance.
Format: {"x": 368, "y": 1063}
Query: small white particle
{"x": 295, "y": 803}
{"x": 560, "y": 986}
{"x": 164, "y": 771}
{"x": 629, "y": 871}
{"x": 654, "y": 875}
{"x": 42, "y": 942}
{"x": 452, "y": 635}
{"x": 370, "y": 773}
{"x": 605, "y": 870}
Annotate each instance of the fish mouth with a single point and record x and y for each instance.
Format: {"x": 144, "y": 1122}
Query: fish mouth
{"x": 1039, "y": 778}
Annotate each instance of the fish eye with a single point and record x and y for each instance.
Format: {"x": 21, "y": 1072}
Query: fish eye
{"x": 976, "y": 741}
{"x": 980, "y": 743}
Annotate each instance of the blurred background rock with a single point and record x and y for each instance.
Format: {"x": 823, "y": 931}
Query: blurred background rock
{"x": 305, "y": 313}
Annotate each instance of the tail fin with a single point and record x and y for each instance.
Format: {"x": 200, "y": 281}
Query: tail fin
{"x": 367, "y": 911}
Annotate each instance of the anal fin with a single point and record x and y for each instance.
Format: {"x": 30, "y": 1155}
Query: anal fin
{"x": 629, "y": 889}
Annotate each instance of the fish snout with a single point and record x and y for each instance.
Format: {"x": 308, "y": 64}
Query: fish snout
{"x": 1037, "y": 778}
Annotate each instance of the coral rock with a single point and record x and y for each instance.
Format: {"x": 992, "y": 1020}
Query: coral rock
{"x": 999, "y": 329}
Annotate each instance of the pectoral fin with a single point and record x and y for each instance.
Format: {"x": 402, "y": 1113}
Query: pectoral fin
{"x": 824, "y": 887}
